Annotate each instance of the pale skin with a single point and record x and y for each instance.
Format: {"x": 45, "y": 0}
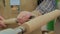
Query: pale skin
{"x": 2, "y": 25}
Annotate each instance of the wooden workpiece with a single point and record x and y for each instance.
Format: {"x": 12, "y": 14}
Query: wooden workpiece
{"x": 40, "y": 21}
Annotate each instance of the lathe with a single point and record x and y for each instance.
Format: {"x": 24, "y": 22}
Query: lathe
{"x": 31, "y": 25}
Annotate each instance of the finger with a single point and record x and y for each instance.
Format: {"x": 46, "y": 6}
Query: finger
{"x": 19, "y": 24}
{"x": 1, "y": 18}
{"x": 2, "y": 24}
{"x": 25, "y": 19}
{"x": 20, "y": 21}
{"x": 20, "y": 15}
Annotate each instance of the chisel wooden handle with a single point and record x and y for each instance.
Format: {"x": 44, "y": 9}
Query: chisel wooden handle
{"x": 10, "y": 21}
{"x": 40, "y": 21}
{"x": 14, "y": 20}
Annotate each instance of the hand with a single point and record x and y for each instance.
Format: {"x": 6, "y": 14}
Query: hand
{"x": 23, "y": 17}
{"x": 1, "y": 22}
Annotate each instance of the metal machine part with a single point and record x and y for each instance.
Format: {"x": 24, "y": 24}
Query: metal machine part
{"x": 13, "y": 31}
{"x": 20, "y": 30}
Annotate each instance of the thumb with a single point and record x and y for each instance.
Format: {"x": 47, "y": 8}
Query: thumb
{"x": 2, "y": 24}
{"x": 1, "y": 18}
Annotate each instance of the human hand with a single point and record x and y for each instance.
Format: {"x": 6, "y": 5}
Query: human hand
{"x": 23, "y": 17}
{"x": 1, "y": 22}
